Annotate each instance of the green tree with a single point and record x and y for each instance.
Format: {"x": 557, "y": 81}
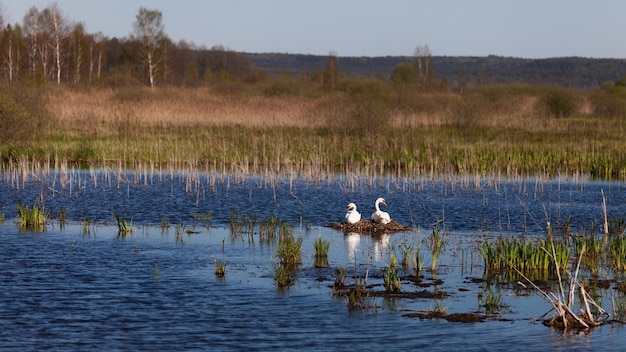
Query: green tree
{"x": 149, "y": 30}
{"x": 405, "y": 74}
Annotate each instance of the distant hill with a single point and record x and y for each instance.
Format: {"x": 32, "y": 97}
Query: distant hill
{"x": 570, "y": 72}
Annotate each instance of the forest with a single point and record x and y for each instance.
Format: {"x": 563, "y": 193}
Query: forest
{"x": 50, "y": 47}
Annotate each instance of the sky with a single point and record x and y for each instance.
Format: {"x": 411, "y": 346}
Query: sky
{"x": 513, "y": 28}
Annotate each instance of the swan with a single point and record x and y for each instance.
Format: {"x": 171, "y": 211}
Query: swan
{"x": 352, "y": 216}
{"x": 379, "y": 216}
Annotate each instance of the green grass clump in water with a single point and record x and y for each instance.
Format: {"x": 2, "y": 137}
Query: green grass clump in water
{"x": 321, "y": 252}
{"x": 289, "y": 250}
{"x": 34, "y": 218}
{"x": 124, "y": 226}
{"x": 220, "y": 268}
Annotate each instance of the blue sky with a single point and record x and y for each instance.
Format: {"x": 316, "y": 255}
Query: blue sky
{"x": 520, "y": 28}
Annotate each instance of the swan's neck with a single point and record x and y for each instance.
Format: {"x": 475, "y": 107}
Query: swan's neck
{"x": 376, "y": 205}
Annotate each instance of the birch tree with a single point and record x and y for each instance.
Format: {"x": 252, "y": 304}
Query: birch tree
{"x": 424, "y": 65}
{"x": 148, "y": 30}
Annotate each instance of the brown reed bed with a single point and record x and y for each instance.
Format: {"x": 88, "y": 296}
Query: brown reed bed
{"x": 485, "y": 132}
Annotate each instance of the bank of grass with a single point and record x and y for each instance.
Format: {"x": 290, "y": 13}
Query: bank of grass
{"x": 512, "y": 130}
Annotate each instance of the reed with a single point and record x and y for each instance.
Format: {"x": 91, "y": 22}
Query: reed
{"x": 241, "y": 225}
{"x": 496, "y": 133}
{"x": 289, "y": 250}
{"x": 283, "y": 275}
{"x": 34, "y": 218}
{"x": 340, "y": 277}
{"x": 321, "y": 247}
{"x": 124, "y": 226}
{"x": 523, "y": 254}
{"x": 220, "y": 268}
{"x": 436, "y": 245}
{"x": 358, "y": 298}
{"x": 391, "y": 280}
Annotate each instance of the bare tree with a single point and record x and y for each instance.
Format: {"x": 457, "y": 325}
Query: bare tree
{"x": 148, "y": 29}
{"x": 33, "y": 33}
{"x": 96, "y": 55}
{"x": 424, "y": 65}
{"x": 331, "y": 71}
{"x": 59, "y": 28}
{"x": 13, "y": 48}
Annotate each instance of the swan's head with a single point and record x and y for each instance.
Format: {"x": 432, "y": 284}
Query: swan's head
{"x": 351, "y": 207}
{"x": 381, "y": 200}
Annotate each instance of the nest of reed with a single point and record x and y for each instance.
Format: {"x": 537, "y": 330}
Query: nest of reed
{"x": 369, "y": 227}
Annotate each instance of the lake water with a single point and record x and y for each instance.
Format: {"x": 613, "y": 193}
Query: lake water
{"x": 70, "y": 289}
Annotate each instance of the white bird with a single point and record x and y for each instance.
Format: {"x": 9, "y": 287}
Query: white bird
{"x": 352, "y": 216}
{"x": 379, "y": 216}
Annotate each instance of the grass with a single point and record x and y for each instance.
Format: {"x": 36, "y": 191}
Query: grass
{"x": 289, "y": 250}
{"x": 391, "y": 280}
{"x": 321, "y": 247}
{"x": 504, "y": 133}
{"x": 34, "y": 218}
{"x": 124, "y": 226}
{"x": 220, "y": 268}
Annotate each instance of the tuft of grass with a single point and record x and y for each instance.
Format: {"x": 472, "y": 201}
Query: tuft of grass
{"x": 289, "y": 250}
{"x": 340, "y": 278}
{"x": 34, "y": 218}
{"x": 283, "y": 275}
{"x": 391, "y": 280}
{"x": 124, "y": 226}
{"x": 357, "y": 297}
{"x": 220, "y": 268}
{"x": 321, "y": 252}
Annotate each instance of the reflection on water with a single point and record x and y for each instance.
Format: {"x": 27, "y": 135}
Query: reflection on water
{"x": 64, "y": 289}
{"x": 377, "y": 246}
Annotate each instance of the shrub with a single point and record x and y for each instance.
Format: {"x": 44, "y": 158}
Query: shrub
{"x": 557, "y": 102}
{"x": 609, "y": 102}
{"x": 23, "y": 114}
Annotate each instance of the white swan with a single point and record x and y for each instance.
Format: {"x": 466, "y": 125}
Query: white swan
{"x": 379, "y": 216}
{"x": 352, "y": 216}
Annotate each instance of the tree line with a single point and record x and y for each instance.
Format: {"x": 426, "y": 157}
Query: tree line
{"x": 49, "y": 47}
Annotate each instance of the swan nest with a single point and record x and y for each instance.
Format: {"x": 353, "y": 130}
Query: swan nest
{"x": 370, "y": 227}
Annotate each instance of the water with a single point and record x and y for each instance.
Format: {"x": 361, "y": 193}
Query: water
{"x": 64, "y": 289}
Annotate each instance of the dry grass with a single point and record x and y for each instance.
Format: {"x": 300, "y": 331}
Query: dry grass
{"x": 181, "y": 107}
{"x": 489, "y": 130}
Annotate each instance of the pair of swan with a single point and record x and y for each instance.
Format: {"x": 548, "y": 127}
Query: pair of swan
{"x": 379, "y": 216}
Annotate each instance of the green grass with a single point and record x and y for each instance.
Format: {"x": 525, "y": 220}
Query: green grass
{"x": 447, "y": 149}
{"x": 321, "y": 247}
{"x": 34, "y": 218}
{"x": 124, "y": 226}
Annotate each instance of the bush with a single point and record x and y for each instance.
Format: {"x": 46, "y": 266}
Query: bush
{"x": 557, "y": 102}
{"x": 609, "y": 102}
{"x": 23, "y": 114}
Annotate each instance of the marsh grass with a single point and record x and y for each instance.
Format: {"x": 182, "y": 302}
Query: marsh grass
{"x": 523, "y": 254}
{"x": 490, "y": 299}
{"x": 357, "y": 297}
{"x": 34, "y": 218}
{"x": 501, "y": 131}
{"x": 284, "y": 276}
{"x": 124, "y": 226}
{"x": 391, "y": 280}
{"x": 241, "y": 225}
{"x": 436, "y": 244}
{"x": 220, "y": 268}
{"x": 289, "y": 250}
{"x": 321, "y": 248}
{"x": 340, "y": 277}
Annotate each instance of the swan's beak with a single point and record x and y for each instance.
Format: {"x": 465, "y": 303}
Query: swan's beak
{"x": 384, "y": 202}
